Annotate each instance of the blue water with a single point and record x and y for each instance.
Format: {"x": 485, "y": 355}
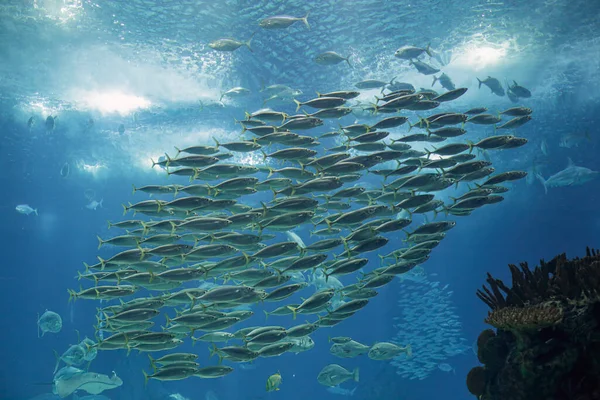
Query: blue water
{"x": 58, "y": 57}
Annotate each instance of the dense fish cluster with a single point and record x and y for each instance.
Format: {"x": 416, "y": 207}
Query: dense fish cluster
{"x": 428, "y": 321}
{"x": 227, "y": 236}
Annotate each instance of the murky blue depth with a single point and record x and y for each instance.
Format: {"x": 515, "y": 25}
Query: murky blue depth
{"x": 125, "y": 82}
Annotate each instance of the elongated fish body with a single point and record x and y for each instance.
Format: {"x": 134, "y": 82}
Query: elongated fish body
{"x": 573, "y": 175}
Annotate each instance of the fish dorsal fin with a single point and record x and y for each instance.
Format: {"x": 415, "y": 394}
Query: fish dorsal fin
{"x": 570, "y": 163}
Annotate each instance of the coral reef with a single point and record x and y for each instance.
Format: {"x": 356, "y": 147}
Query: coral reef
{"x": 547, "y": 340}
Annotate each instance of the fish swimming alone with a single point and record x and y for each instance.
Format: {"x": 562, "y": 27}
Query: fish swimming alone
{"x": 49, "y": 322}
{"x": 26, "y": 209}
{"x": 572, "y": 175}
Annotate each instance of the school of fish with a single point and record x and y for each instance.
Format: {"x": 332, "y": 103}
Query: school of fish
{"x": 224, "y": 239}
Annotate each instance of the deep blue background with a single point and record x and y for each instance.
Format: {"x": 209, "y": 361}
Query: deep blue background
{"x": 40, "y": 255}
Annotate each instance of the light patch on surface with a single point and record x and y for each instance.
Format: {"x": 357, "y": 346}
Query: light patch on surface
{"x": 114, "y": 102}
{"x": 479, "y": 54}
{"x": 37, "y": 107}
{"x": 62, "y": 11}
{"x": 92, "y": 169}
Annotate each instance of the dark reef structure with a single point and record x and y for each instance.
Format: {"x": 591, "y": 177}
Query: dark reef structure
{"x": 547, "y": 340}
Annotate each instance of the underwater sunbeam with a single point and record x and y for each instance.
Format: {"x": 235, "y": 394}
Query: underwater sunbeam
{"x": 115, "y": 102}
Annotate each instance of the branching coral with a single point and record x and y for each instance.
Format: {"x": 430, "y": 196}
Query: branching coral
{"x": 560, "y": 279}
{"x": 547, "y": 344}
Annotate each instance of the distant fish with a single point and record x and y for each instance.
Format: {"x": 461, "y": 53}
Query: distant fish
{"x": 65, "y": 170}
{"x": 30, "y": 122}
{"x": 410, "y": 52}
{"x": 227, "y": 44}
{"x": 544, "y": 147}
{"x": 93, "y": 205}
{"x": 25, "y": 209}
{"x": 235, "y": 92}
{"x": 446, "y": 368}
{"x": 341, "y": 391}
{"x": 445, "y": 81}
{"x": 49, "y": 322}
{"x": 282, "y": 22}
{"x": 519, "y": 91}
{"x": 175, "y": 396}
{"x": 494, "y": 85}
{"x": 570, "y": 176}
{"x": 424, "y": 68}
{"x": 574, "y": 139}
{"x": 50, "y": 123}
{"x": 331, "y": 58}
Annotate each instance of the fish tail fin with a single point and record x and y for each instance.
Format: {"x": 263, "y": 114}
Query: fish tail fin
{"x": 152, "y": 363}
{"x": 294, "y": 310}
{"x": 428, "y": 49}
{"x": 214, "y": 350}
{"x": 57, "y": 360}
{"x": 146, "y": 377}
{"x": 298, "y": 104}
{"x": 348, "y": 61}
{"x": 249, "y": 41}
{"x": 305, "y": 20}
{"x": 543, "y": 182}
{"x": 435, "y": 79}
{"x": 479, "y": 80}
{"x": 409, "y": 351}
{"x": 102, "y": 263}
{"x": 35, "y": 210}
{"x": 169, "y": 160}
{"x": 125, "y": 209}
{"x": 471, "y": 145}
{"x": 266, "y": 315}
{"x": 355, "y": 374}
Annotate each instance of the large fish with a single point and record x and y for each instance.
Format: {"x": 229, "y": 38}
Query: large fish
{"x": 90, "y": 382}
{"x": 573, "y": 175}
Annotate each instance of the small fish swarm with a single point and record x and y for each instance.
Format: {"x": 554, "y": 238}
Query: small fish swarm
{"x": 547, "y": 340}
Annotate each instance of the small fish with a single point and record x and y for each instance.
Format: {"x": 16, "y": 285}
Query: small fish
{"x": 282, "y": 22}
{"x": 334, "y": 374}
{"x": 235, "y": 92}
{"x": 65, "y": 170}
{"x": 446, "y": 368}
{"x": 341, "y": 391}
{"x": 445, "y": 81}
{"x": 25, "y": 209}
{"x": 331, "y": 58}
{"x": 228, "y": 44}
{"x": 519, "y": 91}
{"x": 93, "y": 205}
{"x": 273, "y": 382}
{"x": 410, "y": 52}
{"x": 574, "y": 139}
{"x": 494, "y": 85}
{"x": 424, "y": 68}
{"x": 544, "y": 147}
